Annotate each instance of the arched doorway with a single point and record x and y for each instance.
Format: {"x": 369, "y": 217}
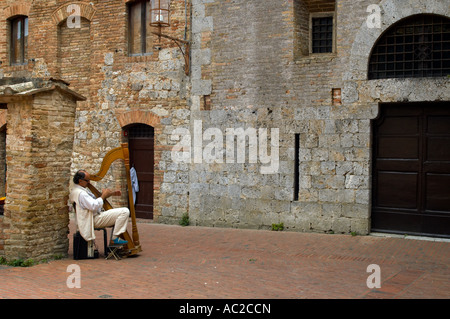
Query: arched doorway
{"x": 142, "y": 149}
{"x": 411, "y": 141}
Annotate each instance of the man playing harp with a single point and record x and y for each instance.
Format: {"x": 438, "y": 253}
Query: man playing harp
{"x": 89, "y": 212}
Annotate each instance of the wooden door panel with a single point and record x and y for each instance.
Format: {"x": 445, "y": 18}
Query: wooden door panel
{"x": 436, "y": 150}
{"x": 142, "y": 158}
{"x": 398, "y": 147}
{"x": 399, "y": 222}
{"x": 438, "y": 125}
{"x": 437, "y": 193}
{"x": 411, "y": 169}
{"x": 397, "y": 190}
{"x": 399, "y": 125}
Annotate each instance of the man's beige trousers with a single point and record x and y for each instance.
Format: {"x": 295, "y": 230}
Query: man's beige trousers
{"x": 117, "y": 217}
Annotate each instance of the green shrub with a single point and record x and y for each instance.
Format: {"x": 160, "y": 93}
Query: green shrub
{"x": 184, "y": 221}
{"x": 278, "y": 227}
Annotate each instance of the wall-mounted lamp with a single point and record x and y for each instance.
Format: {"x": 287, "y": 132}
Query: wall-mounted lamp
{"x": 160, "y": 17}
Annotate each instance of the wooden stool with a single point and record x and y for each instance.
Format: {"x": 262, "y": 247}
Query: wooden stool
{"x": 112, "y": 249}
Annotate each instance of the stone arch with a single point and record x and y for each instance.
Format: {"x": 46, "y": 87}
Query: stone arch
{"x": 138, "y": 116}
{"x": 391, "y": 12}
{"x": 87, "y": 11}
{"x": 16, "y": 9}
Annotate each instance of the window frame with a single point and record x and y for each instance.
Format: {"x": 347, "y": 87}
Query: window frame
{"x": 143, "y": 29}
{"x": 12, "y": 50}
{"x": 315, "y": 15}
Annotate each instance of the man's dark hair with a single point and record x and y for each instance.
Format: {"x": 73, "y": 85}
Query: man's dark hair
{"x": 79, "y": 175}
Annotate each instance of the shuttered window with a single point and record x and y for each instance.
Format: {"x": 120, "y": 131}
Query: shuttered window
{"x": 139, "y": 32}
{"x": 19, "y": 40}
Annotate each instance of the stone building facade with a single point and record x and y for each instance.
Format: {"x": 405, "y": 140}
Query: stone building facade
{"x": 259, "y": 66}
{"x": 260, "y": 71}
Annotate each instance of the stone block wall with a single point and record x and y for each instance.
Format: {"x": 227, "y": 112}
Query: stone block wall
{"x": 259, "y": 73}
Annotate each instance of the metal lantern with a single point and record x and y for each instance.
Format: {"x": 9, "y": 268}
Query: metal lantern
{"x": 160, "y": 17}
{"x": 159, "y": 13}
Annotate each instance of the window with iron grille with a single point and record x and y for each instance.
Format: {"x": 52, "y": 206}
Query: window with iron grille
{"x": 322, "y": 34}
{"x": 418, "y": 46}
{"x": 140, "y": 131}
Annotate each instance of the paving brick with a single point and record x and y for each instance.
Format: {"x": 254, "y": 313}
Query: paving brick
{"x": 203, "y": 263}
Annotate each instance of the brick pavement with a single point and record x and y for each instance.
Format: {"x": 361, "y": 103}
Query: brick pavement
{"x": 199, "y": 262}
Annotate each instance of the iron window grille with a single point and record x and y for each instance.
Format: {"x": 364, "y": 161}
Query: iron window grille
{"x": 322, "y": 34}
{"x": 140, "y": 131}
{"x": 418, "y": 46}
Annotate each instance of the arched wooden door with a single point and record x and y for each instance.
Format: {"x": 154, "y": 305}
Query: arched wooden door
{"x": 142, "y": 150}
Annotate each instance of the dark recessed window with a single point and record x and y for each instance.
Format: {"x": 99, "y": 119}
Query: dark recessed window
{"x": 19, "y": 40}
{"x": 139, "y": 30}
{"x": 417, "y": 46}
{"x": 140, "y": 131}
{"x": 322, "y": 35}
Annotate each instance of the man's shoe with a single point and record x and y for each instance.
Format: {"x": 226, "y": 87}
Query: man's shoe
{"x": 119, "y": 241}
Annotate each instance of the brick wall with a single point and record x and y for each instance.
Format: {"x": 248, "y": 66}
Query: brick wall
{"x": 94, "y": 59}
{"x": 39, "y": 150}
{"x": 74, "y": 56}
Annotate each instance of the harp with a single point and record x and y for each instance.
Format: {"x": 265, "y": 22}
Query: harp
{"x": 120, "y": 152}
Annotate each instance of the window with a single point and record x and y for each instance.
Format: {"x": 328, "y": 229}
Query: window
{"x": 139, "y": 33}
{"x": 314, "y": 28}
{"x": 19, "y": 40}
{"x": 418, "y": 46}
{"x": 322, "y": 34}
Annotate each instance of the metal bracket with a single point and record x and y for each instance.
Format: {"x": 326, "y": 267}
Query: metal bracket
{"x": 185, "y": 53}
